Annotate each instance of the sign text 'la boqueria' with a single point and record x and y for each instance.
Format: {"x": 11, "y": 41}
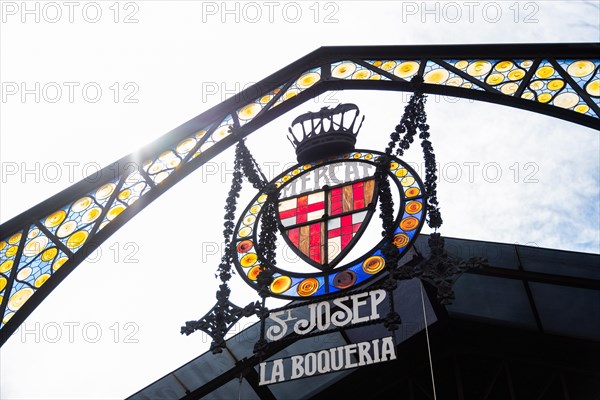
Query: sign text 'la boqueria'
{"x": 329, "y": 360}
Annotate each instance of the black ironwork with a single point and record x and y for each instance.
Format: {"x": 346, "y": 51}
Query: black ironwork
{"x": 327, "y": 135}
{"x": 322, "y": 59}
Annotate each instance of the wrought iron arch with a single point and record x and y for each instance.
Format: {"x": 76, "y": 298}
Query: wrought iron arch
{"x": 558, "y": 80}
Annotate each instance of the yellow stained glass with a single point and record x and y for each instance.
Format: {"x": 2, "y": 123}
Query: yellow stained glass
{"x": 185, "y": 146}
{"x": 77, "y": 239}
{"x": 479, "y": 68}
{"x": 436, "y": 76}
{"x": 544, "y": 97}
{"x": 2, "y": 245}
{"x": 516, "y": 75}
{"x": 494, "y": 79}
{"x": 6, "y": 266}
{"x": 59, "y": 263}
{"x": 281, "y": 284}
{"x": 24, "y": 273}
{"x": 566, "y": 100}
{"x": 406, "y": 69}
{"x": 504, "y": 66}
{"x": 124, "y": 194}
{"x": 105, "y": 191}
{"x": 81, "y": 204}
{"x": 593, "y": 88}
{"x": 556, "y": 84}
{"x": 55, "y": 218}
{"x": 35, "y": 246}
{"x": 113, "y": 212}
{"x": 343, "y": 70}
{"x": 582, "y": 108}
{"x": 362, "y": 74}
{"x": 249, "y": 111}
{"x": 307, "y": 80}
{"x": 409, "y": 180}
{"x": 580, "y": 68}
{"x": 7, "y": 318}
{"x": 509, "y": 88}
{"x": 66, "y": 229}
{"x": 49, "y": 254}
{"x": 91, "y": 215}
{"x": 3, "y": 282}
{"x": 461, "y": 64}
{"x": 536, "y": 85}
{"x": 11, "y": 251}
{"x": 14, "y": 239}
{"x": 18, "y": 299}
{"x": 544, "y": 72}
{"x": 388, "y": 65}
{"x": 454, "y": 81}
{"x": 41, "y": 280}
{"x": 401, "y": 172}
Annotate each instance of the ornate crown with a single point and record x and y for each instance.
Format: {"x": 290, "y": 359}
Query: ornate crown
{"x": 325, "y": 133}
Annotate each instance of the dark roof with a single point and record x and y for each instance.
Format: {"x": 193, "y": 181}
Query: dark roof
{"x": 541, "y": 291}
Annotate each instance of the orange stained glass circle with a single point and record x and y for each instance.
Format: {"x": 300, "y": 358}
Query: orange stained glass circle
{"x": 244, "y": 246}
{"x": 412, "y": 192}
{"x": 308, "y": 287}
{"x": 248, "y": 260}
{"x": 373, "y": 265}
{"x": 408, "y": 224}
{"x": 401, "y": 240}
{"x": 414, "y": 207}
{"x": 281, "y": 284}
{"x": 253, "y": 272}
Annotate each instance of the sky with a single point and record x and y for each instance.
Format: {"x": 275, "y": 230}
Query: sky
{"x": 112, "y": 327}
